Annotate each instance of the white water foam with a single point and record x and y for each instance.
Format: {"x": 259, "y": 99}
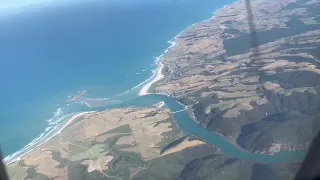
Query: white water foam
{"x": 48, "y": 129}
{"x": 135, "y": 87}
{"x": 157, "y": 73}
{"x": 57, "y": 112}
{"x": 55, "y": 123}
{"x": 58, "y": 121}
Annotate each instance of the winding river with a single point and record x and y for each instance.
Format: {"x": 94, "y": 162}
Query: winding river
{"x": 189, "y": 126}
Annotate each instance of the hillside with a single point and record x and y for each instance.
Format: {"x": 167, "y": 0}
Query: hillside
{"x": 251, "y": 74}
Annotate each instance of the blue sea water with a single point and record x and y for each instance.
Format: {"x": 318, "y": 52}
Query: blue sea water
{"x": 105, "y": 47}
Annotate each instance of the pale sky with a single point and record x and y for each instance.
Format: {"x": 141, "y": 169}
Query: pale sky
{"x": 13, "y": 5}
{"x": 8, "y": 4}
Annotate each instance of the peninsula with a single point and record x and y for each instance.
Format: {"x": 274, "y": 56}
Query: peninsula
{"x": 76, "y": 96}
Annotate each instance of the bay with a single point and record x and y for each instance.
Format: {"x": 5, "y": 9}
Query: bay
{"x": 105, "y": 47}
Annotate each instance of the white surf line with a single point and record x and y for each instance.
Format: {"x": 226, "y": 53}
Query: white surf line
{"x": 17, "y": 156}
{"x": 157, "y": 75}
{"x": 69, "y": 122}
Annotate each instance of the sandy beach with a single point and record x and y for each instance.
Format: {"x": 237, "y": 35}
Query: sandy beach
{"x": 66, "y": 124}
{"x": 16, "y": 156}
{"x": 157, "y": 75}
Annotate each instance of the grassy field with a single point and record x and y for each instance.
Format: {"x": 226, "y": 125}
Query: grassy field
{"x": 94, "y": 152}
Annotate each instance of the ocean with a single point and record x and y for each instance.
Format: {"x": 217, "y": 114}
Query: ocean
{"x": 105, "y": 47}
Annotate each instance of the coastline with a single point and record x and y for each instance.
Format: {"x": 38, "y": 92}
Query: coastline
{"x": 157, "y": 73}
{"x": 17, "y": 156}
{"x": 152, "y": 82}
